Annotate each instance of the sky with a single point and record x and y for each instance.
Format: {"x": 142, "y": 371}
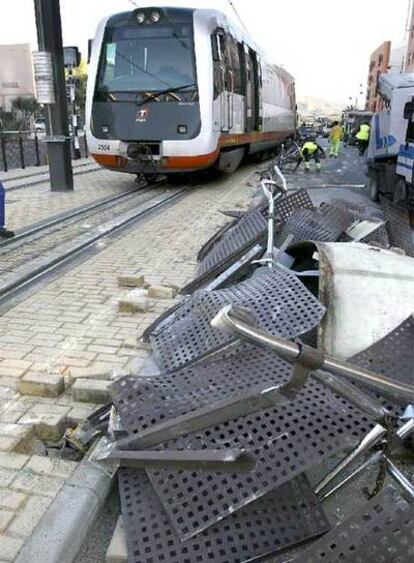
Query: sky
{"x": 325, "y": 44}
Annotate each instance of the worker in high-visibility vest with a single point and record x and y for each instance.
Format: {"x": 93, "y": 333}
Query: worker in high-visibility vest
{"x": 335, "y": 138}
{"x": 362, "y": 137}
{"x": 310, "y": 149}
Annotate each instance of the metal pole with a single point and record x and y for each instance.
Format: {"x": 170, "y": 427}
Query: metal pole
{"x": 72, "y": 98}
{"x": 49, "y": 37}
{"x": 3, "y": 151}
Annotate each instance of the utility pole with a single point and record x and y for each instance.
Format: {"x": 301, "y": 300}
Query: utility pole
{"x": 49, "y": 37}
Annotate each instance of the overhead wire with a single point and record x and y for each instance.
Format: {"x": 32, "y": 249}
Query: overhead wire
{"x": 237, "y": 14}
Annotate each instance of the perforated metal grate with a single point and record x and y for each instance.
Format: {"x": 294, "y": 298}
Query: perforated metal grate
{"x": 393, "y": 355}
{"x": 297, "y": 200}
{"x": 248, "y": 230}
{"x": 381, "y": 532}
{"x": 282, "y": 518}
{"x": 360, "y": 212}
{"x": 286, "y": 440}
{"x": 277, "y": 299}
{"x": 399, "y": 227}
{"x": 325, "y": 224}
{"x": 206, "y": 248}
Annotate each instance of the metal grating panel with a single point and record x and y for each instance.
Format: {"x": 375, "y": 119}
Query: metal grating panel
{"x": 381, "y": 532}
{"x": 206, "y": 248}
{"x": 287, "y": 440}
{"x": 246, "y": 232}
{"x": 393, "y": 355}
{"x": 399, "y": 227}
{"x": 297, "y": 200}
{"x": 285, "y": 517}
{"x": 360, "y": 211}
{"x": 326, "y": 224}
{"x": 278, "y": 300}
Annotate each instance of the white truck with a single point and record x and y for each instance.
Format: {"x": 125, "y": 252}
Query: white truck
{"x": 391, "y": 146}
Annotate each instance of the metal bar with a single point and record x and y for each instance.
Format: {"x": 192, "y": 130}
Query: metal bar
{"x": 372, "y": 438}
{"x": 231, "y": 460}
{"x": 36, "y": 144}
{"x": 21, "y": 152}
{"x": 242, "y": 404}
{"x": 3, "y": 151}
{"x": 406, "y": 429}
{"x": 227, "y": 320}
{"x": 400, "y": 477}
{"x": 370, "y": 461}
{"x": 281, "y": 176}
{"x": 270, "y": 228}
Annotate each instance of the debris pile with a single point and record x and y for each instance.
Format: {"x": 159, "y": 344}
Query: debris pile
{"x": 253, "y": 384}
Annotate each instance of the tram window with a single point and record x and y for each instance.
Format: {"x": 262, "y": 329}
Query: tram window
{"x": 235, "y": 64}
{"x": 147, "y": 58}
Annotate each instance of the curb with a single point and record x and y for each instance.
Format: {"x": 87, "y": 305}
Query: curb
{"x": 65, "y": 525}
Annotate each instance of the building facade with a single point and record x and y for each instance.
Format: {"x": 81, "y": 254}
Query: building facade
{"x": 409, "y": 58}
{"x": 378, "y": 64}
{"x": 16, "y": 74}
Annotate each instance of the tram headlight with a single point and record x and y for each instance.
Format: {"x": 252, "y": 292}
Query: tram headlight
{"x": 140, "y": 17}
{"x": 155, "y": 17}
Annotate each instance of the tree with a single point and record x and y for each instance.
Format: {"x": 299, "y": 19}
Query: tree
{"x": 26, "y": 106}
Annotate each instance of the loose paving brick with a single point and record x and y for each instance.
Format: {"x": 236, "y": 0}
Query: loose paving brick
{"x": 131, "y": 281}
{"x": 91, "y": 391}
{"x": 136, "y": 301}
{"x": 41, "y": 384}
{"x": 95, "y": 371}
{"x": 48, "y": 422}
{"x": 161, "y": 292}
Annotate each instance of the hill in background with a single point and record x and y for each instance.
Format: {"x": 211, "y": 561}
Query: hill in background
{"x": 318, "y": 106}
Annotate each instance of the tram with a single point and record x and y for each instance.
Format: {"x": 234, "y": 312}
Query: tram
{"x": 174, "y": 90}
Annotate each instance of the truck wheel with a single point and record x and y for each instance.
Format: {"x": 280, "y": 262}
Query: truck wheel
{"x": 400, "y": 191}
{"x": 373, "y": 187}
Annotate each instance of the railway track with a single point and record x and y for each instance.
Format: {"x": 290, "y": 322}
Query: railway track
{"x": 40, "y": 252}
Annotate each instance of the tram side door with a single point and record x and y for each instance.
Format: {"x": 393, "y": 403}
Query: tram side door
{"x": 252, "y": 89}
{"x": 223, "y": 79}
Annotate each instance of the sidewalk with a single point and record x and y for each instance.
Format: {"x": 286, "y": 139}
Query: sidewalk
{"x": 73, "y": 325}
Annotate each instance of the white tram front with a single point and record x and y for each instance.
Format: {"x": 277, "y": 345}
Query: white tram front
{"x": 177, "y": 90}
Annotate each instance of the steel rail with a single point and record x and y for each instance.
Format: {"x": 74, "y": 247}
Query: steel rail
{"x": 117, "y": 224}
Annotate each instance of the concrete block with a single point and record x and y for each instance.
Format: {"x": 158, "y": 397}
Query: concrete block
{"x": 27, "y": 519}
{"x": 11, "y": 500}
{"x": 136, "y": 301}
{"x": 161, "y": 292}
{"x": 98, "y": 370}
{"x": 131, "y": 281}
{"x": 9, "y": 547}
{"x": 91, "y": 391}
{"x": 41, "y": 385}
{"x": 117, "y": 551}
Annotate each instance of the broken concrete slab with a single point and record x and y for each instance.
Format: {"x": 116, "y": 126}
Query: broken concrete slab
{"x": 136, "y": 301}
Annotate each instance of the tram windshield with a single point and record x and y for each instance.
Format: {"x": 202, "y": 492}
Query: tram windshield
{"x": 137, "y": 59}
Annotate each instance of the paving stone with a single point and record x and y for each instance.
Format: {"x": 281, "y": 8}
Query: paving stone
{"x": 9, "y": 547}
{"x": 11, "y": 500}
{"x": 6, "y": 516}
{"x": 13, "y": 436}
{"x": 31, "y": 483}
{"x": 51, "y": 466}
{"x": 98, "y": 370}
{"x": 13, "y": 460}
{"x": 131, "y": 281}
{"x": 117, "y": 551}
{"x": 6, "y": 477}
{"x": 161, "y": 292}
{"x": 77, "y": 415}
{"x": 29, "y": 516}
{"x": 8, "y": 443}
{"x": 48, "y": 421}
{"x": 41, "y": 384}
{"x": 91, "y": 391}
{"x": 136, "y": 301}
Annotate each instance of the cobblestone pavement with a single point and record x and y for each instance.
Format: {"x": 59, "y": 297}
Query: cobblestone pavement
{"x": 30, "y": 205}
{"x": 72, "y": 328}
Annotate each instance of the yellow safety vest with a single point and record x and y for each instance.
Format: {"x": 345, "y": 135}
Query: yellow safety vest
{"x": 311, "y": 146}
{"x": 363, "y": 133}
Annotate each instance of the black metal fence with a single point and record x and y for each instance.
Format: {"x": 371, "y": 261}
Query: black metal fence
{"x": 19, "y": 149}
